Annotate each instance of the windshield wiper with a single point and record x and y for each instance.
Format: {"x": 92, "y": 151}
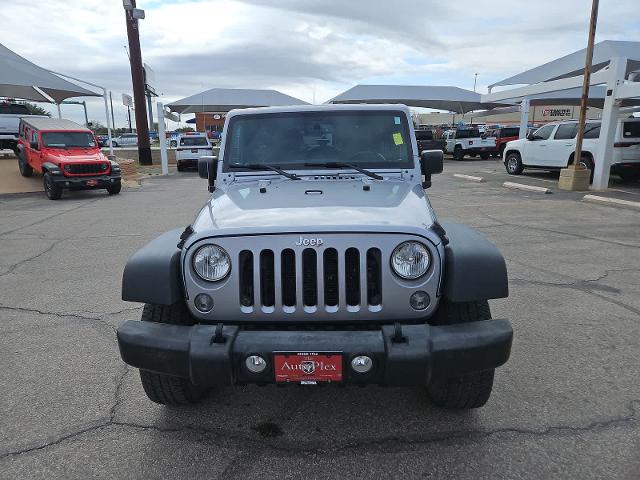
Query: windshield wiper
{"x": 345, "y": 165}
{"x": 261, "y": 166}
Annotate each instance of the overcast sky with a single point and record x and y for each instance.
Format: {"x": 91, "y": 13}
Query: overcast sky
{"x": 304, "y": 48}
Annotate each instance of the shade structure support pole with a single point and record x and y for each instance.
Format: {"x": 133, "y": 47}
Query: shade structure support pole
{"x": 610, "y": 112}
{"x": 524, "y": 117}
{"x": 106, "y": 111}
{"x": 164, "y": 160}
{"x": 59, "y": 110}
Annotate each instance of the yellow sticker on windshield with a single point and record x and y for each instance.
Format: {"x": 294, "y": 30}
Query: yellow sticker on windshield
{"x": 397, "y": 138}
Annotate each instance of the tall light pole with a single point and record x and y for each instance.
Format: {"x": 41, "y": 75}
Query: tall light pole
{"x": 576, "y": 176}
{"x": 475, "y": 80}
{"x": 132, "y": 15}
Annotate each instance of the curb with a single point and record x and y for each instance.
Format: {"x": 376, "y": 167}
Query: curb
{"x": 526, "y": 188}
{"x": 470, "y": 178}
{"x": 611, "y": 202}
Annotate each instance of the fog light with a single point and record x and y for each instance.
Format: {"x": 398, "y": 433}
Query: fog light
{"x": 420, "y": 300}
{"x": 203, "y": 302}
{"x": 361, "y": 364}
{"x": 255, "y": 363}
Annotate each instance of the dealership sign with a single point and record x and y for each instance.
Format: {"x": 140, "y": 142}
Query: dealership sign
{"x": 556, "y": 112}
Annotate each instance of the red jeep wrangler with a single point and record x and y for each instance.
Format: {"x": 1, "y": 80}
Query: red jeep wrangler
{"x": 67, "y": 155}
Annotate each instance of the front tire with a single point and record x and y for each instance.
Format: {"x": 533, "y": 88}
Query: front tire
{"x": 587, "y": 162}
{"x": 630, "y": 175}
{"x": 484, "y": 156}
{"x": 167, "y": 389}
{"x": 467, "y": 391}
{"x": 513, "y": 163}
{"x": 114, "y": 188}
{"x": 458, "y": 153}
{"x": 53, "y": 191}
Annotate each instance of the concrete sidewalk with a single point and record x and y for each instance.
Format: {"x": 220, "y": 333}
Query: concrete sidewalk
{"x": 12, "y": 182}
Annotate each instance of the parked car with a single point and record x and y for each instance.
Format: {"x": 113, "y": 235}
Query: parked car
{"x": 553, "y": 146}
{"x": 103, "y": 140}
{"x": 426, "y": 141}
{"x": 125, "y": 139}
{"x": 503, "y": 135}
{"x": 190, "y": 148}
{"x": 318, "y": 259}
{"x": 469, "y": 141}
{"x": 67, "y": 155}
{"x": 10, "y": 115}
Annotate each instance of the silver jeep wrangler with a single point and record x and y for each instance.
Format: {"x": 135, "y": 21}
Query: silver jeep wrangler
{"x": 317, "y": 259}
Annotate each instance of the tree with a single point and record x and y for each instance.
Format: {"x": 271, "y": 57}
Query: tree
{"x": 35, "y": 109}
{"x": 184, "y": 129}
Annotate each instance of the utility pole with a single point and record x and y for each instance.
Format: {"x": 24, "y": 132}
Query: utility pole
{"x": 132, "y": 15}
{"x": 129, "y": 116}
{"x": 576, "y": 176}
{"x": 475, "y": 80}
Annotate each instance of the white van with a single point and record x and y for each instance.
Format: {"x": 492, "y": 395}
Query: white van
{"x": 553, "y": 145}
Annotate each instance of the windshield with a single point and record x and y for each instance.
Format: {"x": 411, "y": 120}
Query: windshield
{"x": 370, "y": 139}
{"x": 68, "y": 139}
{"x": 193, "y": 141}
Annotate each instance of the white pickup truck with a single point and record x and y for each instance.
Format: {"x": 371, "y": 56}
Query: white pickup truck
{"x": 553, "y": 146}
{"x": 10, "y": 115}
{"x": 469, "y": 141}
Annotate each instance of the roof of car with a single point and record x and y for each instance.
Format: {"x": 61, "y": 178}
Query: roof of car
{"x": 320, "y": 108}
{"x": 46, "y": 123}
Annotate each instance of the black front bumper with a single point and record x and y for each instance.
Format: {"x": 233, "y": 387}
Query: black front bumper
{"x": 85, "y": 182}
{"x": 427, "y": 351}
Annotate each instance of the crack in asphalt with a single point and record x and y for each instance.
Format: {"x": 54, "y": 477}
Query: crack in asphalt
{"x": 560, "y": 232}
{"x": 59, "y": 315}
{"x": 13, "y": 267}
{"x": 399, "y": 443}
{"x": 42, "y": 220}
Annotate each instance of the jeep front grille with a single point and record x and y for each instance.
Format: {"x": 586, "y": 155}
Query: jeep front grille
{"x": 86, "y": 168}
{"x": 310, "y": 280}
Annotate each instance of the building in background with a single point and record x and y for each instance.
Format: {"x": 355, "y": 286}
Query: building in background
{"x": 209, "y": 121}
{"x": 538, "y": 115}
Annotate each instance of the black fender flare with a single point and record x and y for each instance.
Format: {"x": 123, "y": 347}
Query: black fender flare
{"x": 152, "y": 274}
{"x": 474, "y": 269}
{"x": 52, "y": 168}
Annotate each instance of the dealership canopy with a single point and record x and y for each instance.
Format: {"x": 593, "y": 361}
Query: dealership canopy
{"x": 452, "y": 99}
{"x": 19, "y": 78}
{"x": 225, "y": 99}
{"x": 573, "y": 64}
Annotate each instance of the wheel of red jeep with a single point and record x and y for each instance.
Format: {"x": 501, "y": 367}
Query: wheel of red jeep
{"x": 166, "y": 389}
{"x": 114, "y": 188}
{"x": 25, "y": 168}
{"x": 467, "y": 391}
{"x": 53, "y": 191}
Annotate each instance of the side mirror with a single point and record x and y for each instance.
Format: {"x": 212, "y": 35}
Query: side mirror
{"x": 208, "y": 168}
{"x": 431, "y": 162}
{"x": 34, "y": 145}
{"x": 531, "y": 137}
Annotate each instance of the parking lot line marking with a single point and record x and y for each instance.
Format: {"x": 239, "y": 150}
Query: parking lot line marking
{"x": 471, "y": 178}
{"x": 612, "y": 202}
{"x": 527, "y": 188}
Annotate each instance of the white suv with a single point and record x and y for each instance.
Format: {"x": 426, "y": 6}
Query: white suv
{"x": 553, "y": 147}
{"x": 190, "y": 147}
{"x": 125, "y": 139}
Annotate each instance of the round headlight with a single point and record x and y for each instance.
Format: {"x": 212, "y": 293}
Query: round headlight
{"x": 211, "y": 263}
{"x": 410, "y": 260}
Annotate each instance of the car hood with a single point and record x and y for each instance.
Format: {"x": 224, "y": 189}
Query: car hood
{"x": 332, "y": 205}
{"x": 75, "y": 156}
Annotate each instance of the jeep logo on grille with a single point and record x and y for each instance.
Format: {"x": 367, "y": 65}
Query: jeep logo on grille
{"x": 309, "y": 242}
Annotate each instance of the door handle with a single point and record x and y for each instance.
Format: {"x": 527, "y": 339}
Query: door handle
{"x": 568, "y": 144}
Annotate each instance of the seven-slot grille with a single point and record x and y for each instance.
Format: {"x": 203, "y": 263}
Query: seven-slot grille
{"x": 86, "y": 168}
{"x": 310, "y": 279}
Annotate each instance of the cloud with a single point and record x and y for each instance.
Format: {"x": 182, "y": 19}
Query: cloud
{"x": 305, "y": 46}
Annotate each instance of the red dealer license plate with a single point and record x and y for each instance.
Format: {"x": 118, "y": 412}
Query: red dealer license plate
{"x": 92, "y": 183}
{"x": 310, "y": 367}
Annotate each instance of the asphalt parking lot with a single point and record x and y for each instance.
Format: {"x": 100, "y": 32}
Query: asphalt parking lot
{"x": 567, "y": 404}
